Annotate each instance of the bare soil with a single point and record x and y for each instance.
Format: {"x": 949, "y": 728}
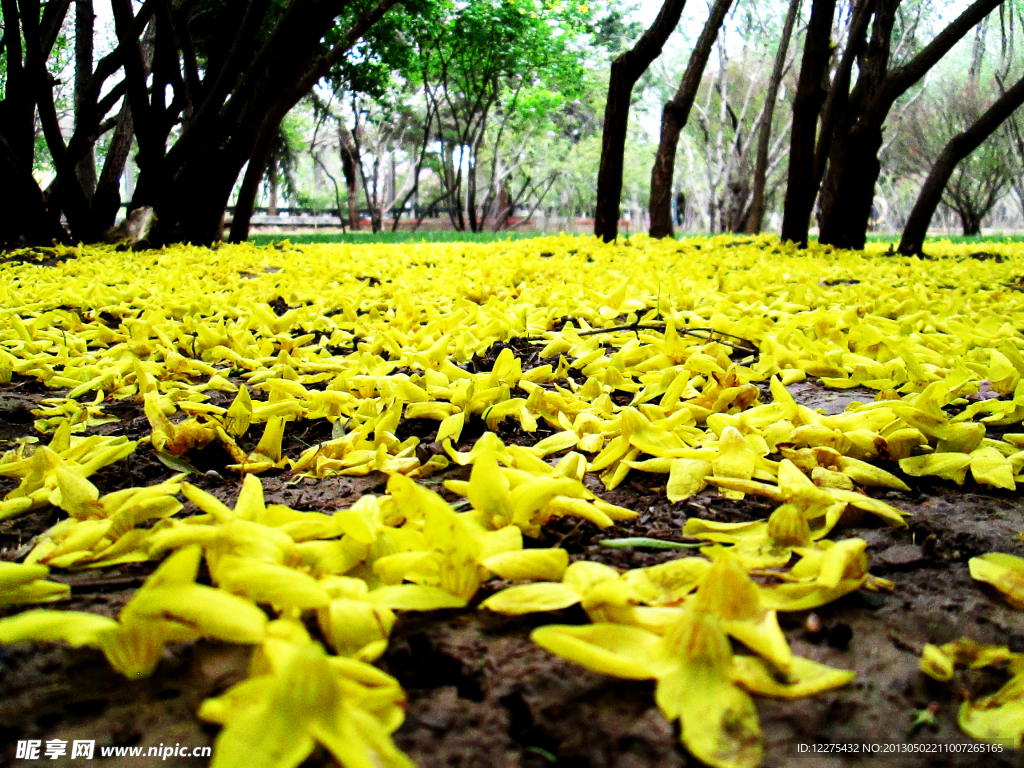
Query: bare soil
{"x": 481, "y": 694}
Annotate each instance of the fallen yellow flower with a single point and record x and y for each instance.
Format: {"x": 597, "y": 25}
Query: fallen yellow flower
{"x": 169, "y": 607}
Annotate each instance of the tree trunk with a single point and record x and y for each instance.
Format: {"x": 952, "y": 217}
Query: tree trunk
{"x": 810, "y": 96}
{"x": 755, "y": 219}
{"x": 191, "y": 184}
{"x": 349, "y": 161}
{"x": 970, "y": 223}
{"x": 84, "y": 18}
{"x": 17, "y": 109}
{"x": 847, "y": 195}
{"x": 24, "y": 218}
{"x": 959, "y": 147}
{"x": 853, "y": 161}
{"x": 673, "y": 119}
{"x": 838, "y": 98}
{"x": 274, "y": 184}
{"x": 625, "y": 71}
{"x": 254, "y": 174}
{"x": 106, "y": 201}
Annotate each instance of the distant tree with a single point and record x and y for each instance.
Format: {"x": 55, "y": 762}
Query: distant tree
{"x": 207, "y": 83}
{"x": 487, "y": 71}
{"x": 674, "y": 115}
{"x": 718, "y": 161}
{"x": 853, "y": 164}
{"x": 969, "y": 188}
{"x": 755, "y": 217}
{"x": 626, "y": 70}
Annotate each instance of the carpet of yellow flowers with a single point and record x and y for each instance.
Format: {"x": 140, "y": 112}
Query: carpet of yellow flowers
{"x": 432, "y": 504}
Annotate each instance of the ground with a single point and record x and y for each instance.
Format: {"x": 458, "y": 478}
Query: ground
{"x": 479, "y": 691}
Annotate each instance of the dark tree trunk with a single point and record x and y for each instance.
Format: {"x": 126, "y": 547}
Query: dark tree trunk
{"x": 254, "y": 174}
{"x": 350, "y": 167}
{"x": 673, "y": 119}
{"x": 274, "y": 184}
{"x": 970, "y": 223}
{"x": 107, "y": 199}
{"x": 68, "y": 193}
{"x": 839, "y": 94}
{"x": 853, "y": 161}
{"x": 17, "y": 110}
{"x": 959, "y": 147}
{"x": 810, "y": 96}
{"x": 755, "y": 216}
{"x": 24, "y": 218}
{"x": 853, "y": 155}
{"x": 84, "y": 19}
{"x": 28, "y": 42}
{"x": 189, "y": 186}
{"x": 626, "y": 70}
{"x": 738, "y": 212}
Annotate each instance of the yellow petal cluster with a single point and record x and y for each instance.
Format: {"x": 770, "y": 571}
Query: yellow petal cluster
{"x": 997, "y": 718}
{"x": 700, "y": 681}
{"x": 297, "y": 696}
{"x": 26, "y": 583}
{"x": 169, "y": 607}
{"x": 670, "y": 358}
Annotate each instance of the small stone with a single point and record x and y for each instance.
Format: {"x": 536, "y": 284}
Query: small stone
{"x": 902, "y": 555}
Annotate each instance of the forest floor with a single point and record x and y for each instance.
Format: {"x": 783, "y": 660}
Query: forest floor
{"x": 480, "y": 693}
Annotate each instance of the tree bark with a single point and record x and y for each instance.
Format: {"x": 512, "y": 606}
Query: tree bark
{"x": 970, "y": 223}
{"x": 854, "y": 167}
{"x": 959, "y": 147}
{"x": 673, "y": 119}
{"x": 28, "y": 42}
{"x": 24, "y": 218}
{"x": 84, "y": 20}
{"x": 349, "y": 167}
{"x": 625, "y": 71}
{"x": 69, "y": 192}
{"x": 190, "y": 186}
{"x": 810, "y": 96}
{"x": 853, "y": 153}
{"x": 106, "y": 201}
{"x": 254, "y": 173}
{"x": 755, "y": 218}
{"x": 839, "y": 93}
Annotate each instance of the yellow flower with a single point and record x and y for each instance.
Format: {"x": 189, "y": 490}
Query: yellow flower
{"x": 729, "y": 593}
{"x": 460, "y": 555}
{"x": 169, "y": 607}
{"x": 102, "y": 531}
{"x": 1004, "y": 572}
{"x": 528, "y": 499}
{"x": 26, "y": 583}
{"x": 699, "y": 680}
{"x": 297, "y": 697}
{"x": 765, "y": 544}
{"x": 823, "y": 574}
{"x": 997, "y": 718}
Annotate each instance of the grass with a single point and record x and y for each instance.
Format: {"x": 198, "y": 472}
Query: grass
{"x": 394, "y": 238}
{"x": 955, "y": 239}
{"x": 449, "y": 236}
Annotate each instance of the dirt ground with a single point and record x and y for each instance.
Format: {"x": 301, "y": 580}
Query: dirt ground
{"x": 481, "y": 694}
